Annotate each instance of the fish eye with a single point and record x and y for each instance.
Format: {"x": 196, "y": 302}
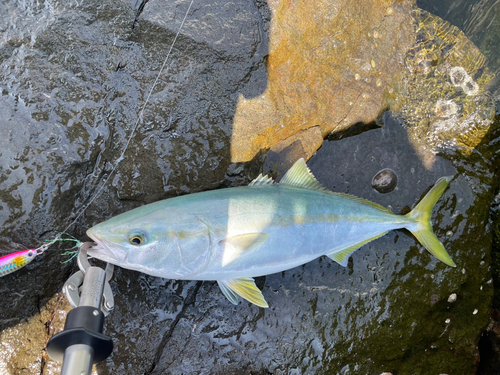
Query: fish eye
{"x": 137, "y": 239}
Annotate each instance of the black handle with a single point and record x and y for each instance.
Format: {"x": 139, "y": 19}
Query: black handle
{"x": 84, "y": 325}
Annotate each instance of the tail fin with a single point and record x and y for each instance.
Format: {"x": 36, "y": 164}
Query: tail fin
{"x": 422, "y": 215}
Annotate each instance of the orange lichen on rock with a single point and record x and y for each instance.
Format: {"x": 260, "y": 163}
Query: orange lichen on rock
{"x": 328, "y": 65}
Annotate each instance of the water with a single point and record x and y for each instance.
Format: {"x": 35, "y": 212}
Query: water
{"x": 478, "y": 19}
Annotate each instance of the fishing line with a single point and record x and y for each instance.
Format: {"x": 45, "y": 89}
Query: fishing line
{"x": 104, "y": 181}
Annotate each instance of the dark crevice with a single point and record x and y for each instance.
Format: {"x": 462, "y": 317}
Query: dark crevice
{"x": 353, "y": 130}
{"x": 140, "y": 9}
{"x": 489, "y": 343}
{"x": 42, "y": 365}
{"x": 190, "y": 299}
{"x": 50, "y": 332}
{"x": 488, "y": 348}
{"x": 120, "y": 66}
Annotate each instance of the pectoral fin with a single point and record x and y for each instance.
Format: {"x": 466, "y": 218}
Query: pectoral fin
{"x": 342, "y": 256}
{"x": 237, "y": 245}
{"x": 245, "y": 288}
{"x": 246, "y": 241}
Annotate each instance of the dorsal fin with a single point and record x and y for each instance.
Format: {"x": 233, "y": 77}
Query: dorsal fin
{"x": 300, "y": 176}
{"x": 261, "y": 180}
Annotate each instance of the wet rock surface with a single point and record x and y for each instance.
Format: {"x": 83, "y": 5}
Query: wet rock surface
{"x": 442, "y": 90}
{"x": 74, "y": 78}
{"x": 478, "y": 20}
{"x": 489, "y": 343}
{"x": 23, "y": 345}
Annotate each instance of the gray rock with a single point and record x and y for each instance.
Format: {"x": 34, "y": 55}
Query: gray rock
{"x": 74, "y": 78}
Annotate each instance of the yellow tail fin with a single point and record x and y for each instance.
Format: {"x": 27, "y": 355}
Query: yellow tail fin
{"x": 422, "y": 215}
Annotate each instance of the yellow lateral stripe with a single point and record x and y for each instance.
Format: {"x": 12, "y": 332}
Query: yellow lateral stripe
{"x": 361, "y": 200}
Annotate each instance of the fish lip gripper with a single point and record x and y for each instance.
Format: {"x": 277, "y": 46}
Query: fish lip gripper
{"x": 82, "y": 343}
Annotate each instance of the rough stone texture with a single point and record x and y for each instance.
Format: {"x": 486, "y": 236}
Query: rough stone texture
{"x": 328, "y": 66}
{"x": 22, "y": 346}
{"x": 74, "y": 77}
{"x": 489, "y": 344}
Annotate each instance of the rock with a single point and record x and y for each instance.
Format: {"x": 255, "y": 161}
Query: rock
{"x": 442, "y": 92}
{"x": 74, "y": 79}
{"x": 323, "y": 72}
{"x": 452, "y": 298}
{"x": 23, "y": 345}
{"x": 328, "y": 67}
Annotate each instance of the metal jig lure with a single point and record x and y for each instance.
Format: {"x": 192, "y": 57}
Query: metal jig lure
{"x": 12, "y": 262}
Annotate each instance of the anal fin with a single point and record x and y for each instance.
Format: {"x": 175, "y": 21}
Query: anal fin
{"x": 245, "y": 288}
{"x": 342, "y": 256}
{"x": 226, "y": 290}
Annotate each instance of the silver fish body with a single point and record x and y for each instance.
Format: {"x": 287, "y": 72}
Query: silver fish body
{"x": 231, "y": 235}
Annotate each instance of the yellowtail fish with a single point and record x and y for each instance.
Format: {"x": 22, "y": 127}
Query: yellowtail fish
{"x": 232, "y": 235}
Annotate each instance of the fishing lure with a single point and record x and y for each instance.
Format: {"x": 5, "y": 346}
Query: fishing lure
{"x": 12, "y": 262}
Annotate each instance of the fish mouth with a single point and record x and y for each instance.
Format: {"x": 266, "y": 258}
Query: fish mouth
{"x": 104, "y": 250}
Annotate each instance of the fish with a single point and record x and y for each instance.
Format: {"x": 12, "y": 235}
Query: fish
{"x": 235, "y": 234}
{"x": 12, "y": 262}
